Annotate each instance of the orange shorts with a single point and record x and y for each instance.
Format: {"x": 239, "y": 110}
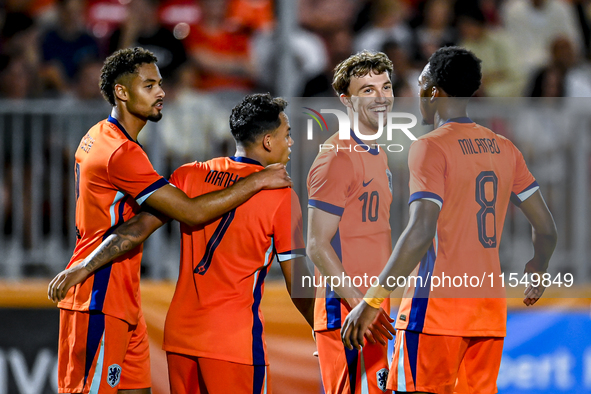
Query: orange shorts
{"x": 445, "y": 364}
{"x": 101, "y": 354}
{"x": 199, "y": 375}
{"x": 347, "y": 371}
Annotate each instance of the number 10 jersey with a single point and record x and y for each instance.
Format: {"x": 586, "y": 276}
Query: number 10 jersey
{"x": 354, "y": 182}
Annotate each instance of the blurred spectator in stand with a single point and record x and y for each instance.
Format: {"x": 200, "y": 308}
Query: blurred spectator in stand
{"x": 501, "y": 70}
{"x": 29, "y": 7}
{"x": 332, "y": 20}
{"x": 564, "y": 76}
{"x": 86, "y": 86}
{"x": 405, "y": 75}
{"x": 583, "y": 10}
{"x": 534, "y": 24}
{"x": 42, "y": 11}
{"x": 142, "y": 28}
{"x": 310, "y": 58}
{"x": 17, "y": 78}
{"x": 220, "y": 48}
{"x": 19, "y": 48}
{"x": 66, "y": 46}
{"x": 251, "y": 15}
{"x": 488, "y": 8}
{"x": 434, "y": 30}
{"x": 325, "y": 17}
{"x": 387, "y": 24}
{"x": 364, "y": 15}
{"x": 341, "y": 47}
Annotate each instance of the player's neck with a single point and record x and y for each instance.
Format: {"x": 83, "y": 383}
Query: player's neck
{"x": 442, "y": 116}
{"x": 365, "y": 130}
{"x": 251, "y": 154}
{"x": 132, "y": 124}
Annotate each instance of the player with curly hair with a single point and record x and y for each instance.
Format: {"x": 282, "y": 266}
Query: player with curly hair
{"x": 103, "y": 343}
{"x": 349, "y": 198}
{"x": 462, "y": 177}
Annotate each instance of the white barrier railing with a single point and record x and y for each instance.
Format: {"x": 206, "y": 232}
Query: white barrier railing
{"x": 38, "y": 140}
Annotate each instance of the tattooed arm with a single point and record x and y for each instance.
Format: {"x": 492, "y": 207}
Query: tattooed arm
{"x": 126, "y": 237}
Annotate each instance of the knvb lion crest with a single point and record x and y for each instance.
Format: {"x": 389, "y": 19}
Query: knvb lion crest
{"x": 114, "y": 375}
{"x": 382, "y": 378}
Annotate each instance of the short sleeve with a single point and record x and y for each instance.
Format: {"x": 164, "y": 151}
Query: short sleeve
{"x": 288, "y": 228}
{"x": 130, "y": 171}
{"x": 524, "y": 183}
{"x": 427, "y": 165}
{"x": 329, "y": 183}
{"x": 180, "y": 175}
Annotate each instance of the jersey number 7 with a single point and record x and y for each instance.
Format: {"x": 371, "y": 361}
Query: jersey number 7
{"x": 214, "y": 242}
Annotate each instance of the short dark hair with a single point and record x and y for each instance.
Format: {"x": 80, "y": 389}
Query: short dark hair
{"x": 119, "y": 64}
{"x": 256, "y": 114}
{"x": 456, "y": 70}
{"x": 359, "y": 65}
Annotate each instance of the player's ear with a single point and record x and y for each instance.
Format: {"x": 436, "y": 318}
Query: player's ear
{"x": 435, "y": 93}
{"x": 346, "y": 100}
{"x": 121, "y": 92}
{"x": 267, "y": 142}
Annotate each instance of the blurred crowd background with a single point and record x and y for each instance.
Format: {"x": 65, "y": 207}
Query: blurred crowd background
{"x": 55, "y": 48}
{"x": 213, "y": 52}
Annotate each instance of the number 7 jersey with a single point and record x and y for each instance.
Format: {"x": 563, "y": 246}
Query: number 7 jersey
{"x": 215, "y": 311}
{"x": 472, "y": 174}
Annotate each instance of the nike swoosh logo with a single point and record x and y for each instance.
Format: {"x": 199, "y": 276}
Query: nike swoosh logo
{"x": 365, "y": 184}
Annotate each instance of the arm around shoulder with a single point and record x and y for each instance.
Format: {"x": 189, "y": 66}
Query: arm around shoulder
{"x": 202, "y": 209}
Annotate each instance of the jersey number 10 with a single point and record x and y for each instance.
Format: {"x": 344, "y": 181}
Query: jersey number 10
{"x": 371, "y": 205}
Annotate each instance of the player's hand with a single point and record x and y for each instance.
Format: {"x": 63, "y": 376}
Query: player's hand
{"x": 59, "y": 286}
{"x": 533, "y": 294}
{"x": 352, "y": 302}
{"x": 356, "y": 324}
{"x": 274, "y": 176}
{"x": 381, "y": 329}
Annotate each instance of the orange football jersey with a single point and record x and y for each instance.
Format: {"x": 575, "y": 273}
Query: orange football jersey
{"x": 354, "y": 182}
{"x": 113, "y": 178}
{"x": 215, "y": 312}
{"x": 472, "y": 174}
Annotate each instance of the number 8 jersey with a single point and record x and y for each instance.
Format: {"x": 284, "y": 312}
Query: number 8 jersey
{"x": 352, "y": 181}
{"x": 472, "y": 174}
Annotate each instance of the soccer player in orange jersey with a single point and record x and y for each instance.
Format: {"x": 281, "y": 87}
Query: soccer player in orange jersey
{"x": 103, "y": 345}
{"x": 224, "y": 263}
{"x": 350, "y": 192}
{"x": 462, "y": 177}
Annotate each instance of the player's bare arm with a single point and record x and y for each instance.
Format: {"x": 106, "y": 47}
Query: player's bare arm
{"x": 544, "y": 237}
{"x": 322, "y": 226}
{"x": 202, "y": 209}
{"x": 297, "y": 268}
{"x": 125, "y": 238}
{"x": 207, "y": 207}
{"x": 410, "y": 248}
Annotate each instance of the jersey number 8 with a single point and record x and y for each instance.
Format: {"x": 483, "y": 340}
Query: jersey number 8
{"x": 487, "y": 207}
